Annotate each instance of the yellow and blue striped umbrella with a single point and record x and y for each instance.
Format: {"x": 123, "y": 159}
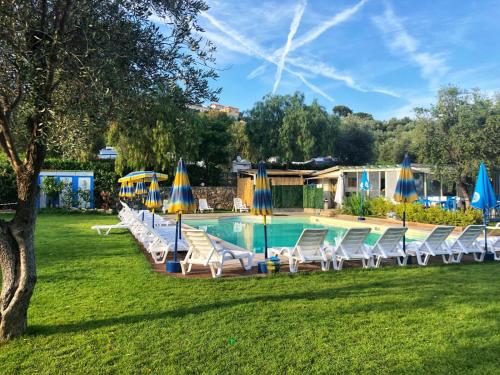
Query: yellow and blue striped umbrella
{"x": 144, "y": 176}
{"x": 140, "y": 188}
{"x": 123, "y": 190}
{"x": 406, "y": 191}
{"x": 181, "y": 200}
{"x": 262, "y": 203}
{"x": 129, "y": 190}
{"x": 262, "y": 200}
{"x": 153, "y": 199}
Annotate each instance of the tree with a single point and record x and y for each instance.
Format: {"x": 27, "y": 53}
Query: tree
{"x": 307, "y": 131}
{"x": 163, "y": 124}
{"x": 355, "y": 142}
{"x": 107, "y": 54}
{"x": 263, "y": 123}
{"x": 342, "y": 110}
{"x": 458, "y": 133}
{"x": 213, "y": 128}
{"x": 239, "y": 144}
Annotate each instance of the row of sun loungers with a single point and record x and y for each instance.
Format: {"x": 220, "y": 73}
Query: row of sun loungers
{"x": 311, "y": 247}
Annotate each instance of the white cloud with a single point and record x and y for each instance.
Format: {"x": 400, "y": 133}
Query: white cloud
{"x": 432, "y": 66}
{"x": 257, "y": 71}
{"x": 337, "y": 19}
{"x": 299, "y": 11}
{"x": 254, "y": 49}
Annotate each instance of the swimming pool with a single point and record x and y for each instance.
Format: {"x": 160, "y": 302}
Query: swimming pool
{"x": 248, "y": 231}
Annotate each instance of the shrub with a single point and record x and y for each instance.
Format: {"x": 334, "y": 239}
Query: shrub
{"x": 380, "y": 207}
{"x": 436, "y": 215}
{"x": 352, "y": 206}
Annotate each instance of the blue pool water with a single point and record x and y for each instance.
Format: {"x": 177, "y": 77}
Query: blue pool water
{"x": 248, "y": 232}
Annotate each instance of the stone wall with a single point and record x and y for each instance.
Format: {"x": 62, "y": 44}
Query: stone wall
{"x": 218, "y": 197}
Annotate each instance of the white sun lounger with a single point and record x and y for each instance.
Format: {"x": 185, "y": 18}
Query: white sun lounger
{"x": 202, "y": 251}
{"x": 351, "y": 247}
{"x": 203, "y": 206}
{"x": 238, "y": 205}
{"x": 389, "y": 246}
{"x": 308, "y": 249}
{"x": 433, "y": 245}
{"x": 466, "y": 243}
{"x": 108, "y": 228}
{"x": 493, "y": 240}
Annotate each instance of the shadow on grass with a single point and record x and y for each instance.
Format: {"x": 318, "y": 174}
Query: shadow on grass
{"x": 426, "y": 297}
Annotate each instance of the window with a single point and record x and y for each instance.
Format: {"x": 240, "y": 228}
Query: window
{"x": 351, "y": 182}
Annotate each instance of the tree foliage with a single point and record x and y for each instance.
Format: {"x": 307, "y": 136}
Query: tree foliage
{"x": 458, "y": 133}
{"x": 64, "y": 62}
{"x": 342, "y": 110}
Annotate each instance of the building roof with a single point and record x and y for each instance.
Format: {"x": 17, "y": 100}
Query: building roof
{"x": 279, "y": 172}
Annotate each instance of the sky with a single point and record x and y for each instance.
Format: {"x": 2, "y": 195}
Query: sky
{"x": 375, "y": 56}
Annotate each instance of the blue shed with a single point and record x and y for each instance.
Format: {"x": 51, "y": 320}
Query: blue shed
{"x": 79, "y": 180}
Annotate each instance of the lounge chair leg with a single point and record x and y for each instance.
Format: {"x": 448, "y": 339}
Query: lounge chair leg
{"x": 480, "y": 258}
{"x": 445, "y": 260}
{"x": 183, "y": 268}
{"x": 189, "y": 267}
{"x": 325, "y": 266}
{"x": 340, "y": 263}
{"x": 212, "y": 270}
{"x": 294, "y": 265}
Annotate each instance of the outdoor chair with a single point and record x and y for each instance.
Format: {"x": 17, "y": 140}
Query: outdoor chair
{"x": 202, "y": 251}
{"x": 203, "y": 206}
{"x": 466, "y": 243}
{"x": 433, "y": 245}
{"x": 389, "y": 246}
{"x": 308, "y": 249}
{"x": 351, "y": 247}
{"x": 238, "y": 205}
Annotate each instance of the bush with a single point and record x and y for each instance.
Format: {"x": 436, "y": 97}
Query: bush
{"x": 379, "y": 207}
{"x": 436, "y": 215}
{"x": 352, "y": 206}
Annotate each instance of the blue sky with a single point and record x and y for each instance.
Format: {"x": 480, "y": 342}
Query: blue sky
{"x": 381, "y": 57}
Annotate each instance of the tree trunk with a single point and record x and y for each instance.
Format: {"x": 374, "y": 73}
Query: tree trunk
{"x": 17, "y": 258}
{"x": 462, "y": 189}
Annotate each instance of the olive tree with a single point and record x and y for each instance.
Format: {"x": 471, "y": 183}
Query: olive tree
{"x": 63, "y": 57}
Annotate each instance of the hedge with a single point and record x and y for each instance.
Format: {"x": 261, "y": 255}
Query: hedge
{"x": 312, "y": 197}
{"x": 379, "y": 207}
{"x": 287, "y": 196}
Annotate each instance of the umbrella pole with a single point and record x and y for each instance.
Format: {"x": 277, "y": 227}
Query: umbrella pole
{"x": 180, "y": 224}
{"x": 153, "y": 211}
{"x": 177, "y": 231}
{"x": 485, "y": 222}
{"x": 404, "y": 225}
{"x": 265, "y": 238}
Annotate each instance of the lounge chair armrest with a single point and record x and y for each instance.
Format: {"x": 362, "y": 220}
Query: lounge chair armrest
{"x": 287, "y": 251}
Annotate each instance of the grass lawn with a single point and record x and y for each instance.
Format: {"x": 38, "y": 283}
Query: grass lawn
{"x": 98, "y": 308}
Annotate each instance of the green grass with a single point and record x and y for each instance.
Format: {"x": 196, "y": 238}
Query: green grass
{"x": 98, "y": 308}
